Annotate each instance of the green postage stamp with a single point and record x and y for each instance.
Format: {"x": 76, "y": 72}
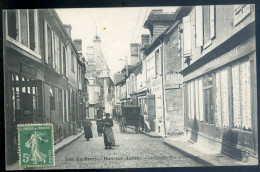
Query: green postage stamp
{"x": 35, "y": 145}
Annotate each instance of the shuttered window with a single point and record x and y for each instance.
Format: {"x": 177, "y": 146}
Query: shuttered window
{"x": 199, "y": 26}
{"x": 186, "y": 36}
{"x": 241, "y": 12}
{"x": 205, "y": 25}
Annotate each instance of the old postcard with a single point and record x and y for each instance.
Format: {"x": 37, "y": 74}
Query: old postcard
{"x": 135, "y": 87}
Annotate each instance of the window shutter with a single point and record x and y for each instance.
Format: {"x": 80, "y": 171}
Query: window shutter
{"x": 199, "y": 26}
{"x": 186, "y": 36}
{"x": 53, "y": 55}
{"x": 61, "y": 58}
{"x": 46, "y": 42}
{"x": 206, "y": 24}
{"x": 212, "y": 21}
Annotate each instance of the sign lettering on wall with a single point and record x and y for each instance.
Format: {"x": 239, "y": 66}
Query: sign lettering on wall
{"x": 235, "y": 53}
{"x": 173, "y": 80}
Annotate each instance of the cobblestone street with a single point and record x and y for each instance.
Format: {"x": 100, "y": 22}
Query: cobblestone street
{"x": 131, "y": 151}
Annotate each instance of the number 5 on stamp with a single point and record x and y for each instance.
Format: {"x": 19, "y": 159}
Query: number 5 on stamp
{"x": 35, "y": 145}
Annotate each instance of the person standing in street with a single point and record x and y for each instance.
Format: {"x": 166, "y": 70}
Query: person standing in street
{"x": 109, "y": 138}
{"x": 99, "y": 126}
{"x": 87, "y": 128}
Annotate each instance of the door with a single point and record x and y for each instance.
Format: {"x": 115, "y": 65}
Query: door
{"x": 27, "y": 105}
{"x": 209, "y": 112}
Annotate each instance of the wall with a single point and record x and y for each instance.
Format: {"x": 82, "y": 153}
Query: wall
{"x": 173, "y": 94}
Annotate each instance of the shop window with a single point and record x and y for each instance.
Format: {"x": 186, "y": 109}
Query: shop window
{"x": 208, "y": 99}
{"x": 241, "y": 94}
{"x": 224, "y": 96}
{"x": 52, "y": 98}
{"x": 12, "y": 24}
{"x": 16, "y": 91}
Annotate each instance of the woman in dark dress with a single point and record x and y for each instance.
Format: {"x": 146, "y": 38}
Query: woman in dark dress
{"x": 99, "y": 127}
{"x": 109, "y": 139}
{"x": 87, "y": 129}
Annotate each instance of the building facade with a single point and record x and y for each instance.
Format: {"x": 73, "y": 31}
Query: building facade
{"x": 38, "y": 79}
{"x": 219, "y": 76}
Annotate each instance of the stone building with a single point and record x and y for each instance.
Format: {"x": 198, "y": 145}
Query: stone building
{"x": 100, "y": 74}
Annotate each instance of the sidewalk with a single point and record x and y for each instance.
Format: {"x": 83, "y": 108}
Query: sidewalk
{"x": 65, "y": 142}
{"x": 150, "y": 134}
{"x": 201, "y": 154}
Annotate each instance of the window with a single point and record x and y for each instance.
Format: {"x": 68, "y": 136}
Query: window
{"x": 25, "y": 94}
{"x": 64, "y": 60}
{"x": 12, "y": 24}
{"x": 22, "y": 26}
{"x": 72, "y": 62}
{"x": 96, "y": 97}
{"x": 57, "y": 53}
{"x": 48, "y": 38}
{"x": 186, "y": 36}
{"x": 32, "y": 35}
{"x": 157, "y": 63}
{"x": 241, "y": 94}
{"x": 205, "y": 25}
{"x": 65, "y": 119}
{"x": 208, "y": 98}
{"x": 60, "y": 105}
{"x": 52, "y": 98}
{"x": 241, "y": 12}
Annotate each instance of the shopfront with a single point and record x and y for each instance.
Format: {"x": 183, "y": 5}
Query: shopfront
{"x": 220, "y": 101}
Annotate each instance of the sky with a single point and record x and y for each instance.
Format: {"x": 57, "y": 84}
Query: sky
{"x": 117, "y": 28}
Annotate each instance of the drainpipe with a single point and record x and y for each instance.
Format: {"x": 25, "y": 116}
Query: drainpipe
{"x": 163, "y": 91}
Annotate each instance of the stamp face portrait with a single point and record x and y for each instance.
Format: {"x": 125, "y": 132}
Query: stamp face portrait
{"x": 35, "y": 145}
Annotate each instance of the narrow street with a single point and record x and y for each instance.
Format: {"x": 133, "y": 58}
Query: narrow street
{"x": 131, "y": 151}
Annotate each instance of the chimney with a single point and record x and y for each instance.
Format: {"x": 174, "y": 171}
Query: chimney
{"x": 134, "y": 51}
{"x": 68, "y": 28}
{"x": 145, "y": 39}
{"x": 78, "y": 45}
{"x": 157, "y": 11}
{"x": 157, "y": 22}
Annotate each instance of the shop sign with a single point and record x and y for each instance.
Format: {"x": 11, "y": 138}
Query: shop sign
{"x": 235, "y": 53}
{"x": 173, "y": 80}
